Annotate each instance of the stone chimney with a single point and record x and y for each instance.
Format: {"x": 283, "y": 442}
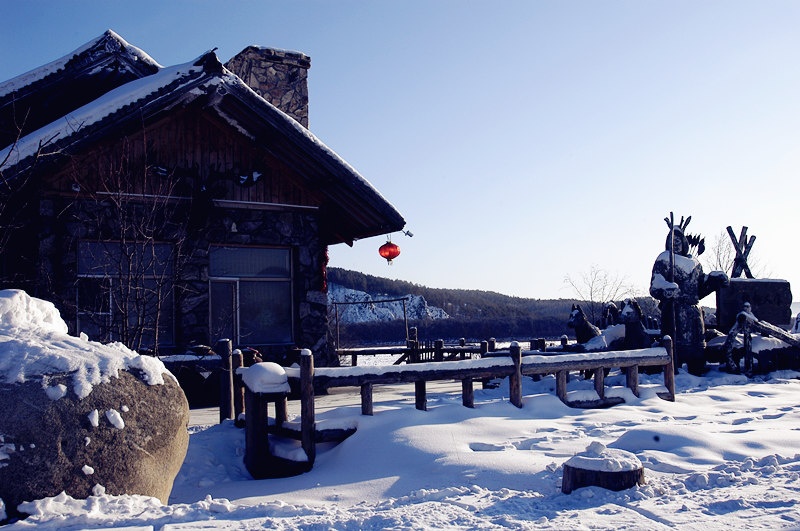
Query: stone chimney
{"x": 278, "y": 76}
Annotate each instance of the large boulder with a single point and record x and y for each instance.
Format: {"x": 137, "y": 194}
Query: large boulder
{"x": 77, "y": 414}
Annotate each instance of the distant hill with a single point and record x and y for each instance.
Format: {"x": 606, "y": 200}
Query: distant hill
{"x": 471, "y": 314}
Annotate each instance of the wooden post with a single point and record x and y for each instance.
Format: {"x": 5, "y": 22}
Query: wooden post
{"x": 669, "y": 369}
{"x": 308, "y": 425}
{"x": 561, "y": 385}
{"x": 414, "y": 357}
{"x": 281, "y": 407}
{"x": 484, "y": 350}
{"x": 492, "y": 344}
{"x": 600, "y": 382}
{"x": 420, "y": 398}
{"x": 515, "y": 379}
{"x": 438, "y": 350}
{"x": 354, "y": 360}
{"x": 632, "y": 379}
{"x": 366, "y": 399}
{"x": 467, "y": 393}
{"x": 412, "y": 335}
{"x": 256, "y": 449}
{"x": 237, "y": 361}
{"x": 224, "y": 350}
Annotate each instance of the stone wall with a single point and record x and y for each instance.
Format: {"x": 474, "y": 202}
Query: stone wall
{"x": 64, "y": 222}
{"x": 278, "y": 76}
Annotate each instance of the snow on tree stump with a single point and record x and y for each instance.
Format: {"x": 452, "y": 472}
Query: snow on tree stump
{"x": 602, "y": 467}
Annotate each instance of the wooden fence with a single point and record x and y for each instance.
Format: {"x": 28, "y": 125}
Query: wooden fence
{"x": 421, "y": 352}
{"x": 513, "y": 366}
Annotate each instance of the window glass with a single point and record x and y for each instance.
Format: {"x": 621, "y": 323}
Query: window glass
{"x": 125, "y": 259}
{"x": 223, "y": 309}
{"x": 265, "y": 312}
{"x": 251, "y": 295}
{"x": 125, "y": 292}
{"x": 246, "y": 262}
{"x": 94, "y": 313}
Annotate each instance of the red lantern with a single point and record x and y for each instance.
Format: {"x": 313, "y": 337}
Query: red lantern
{"x": 390, "y": 251}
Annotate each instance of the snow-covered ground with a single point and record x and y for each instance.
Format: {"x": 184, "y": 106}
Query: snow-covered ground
{"x": 724, "y": 455}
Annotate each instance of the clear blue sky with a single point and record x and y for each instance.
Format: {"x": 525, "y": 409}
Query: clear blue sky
{"x": 523, "y": 141}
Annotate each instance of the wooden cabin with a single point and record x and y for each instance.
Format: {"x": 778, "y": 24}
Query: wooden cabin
{"x": 170, "y": 207}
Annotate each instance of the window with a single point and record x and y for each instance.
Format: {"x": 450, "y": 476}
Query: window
{"x": 250, "y": 295}
{"x": 125, "y": 293}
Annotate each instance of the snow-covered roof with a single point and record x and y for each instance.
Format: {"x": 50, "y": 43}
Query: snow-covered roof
{"x": 59, "y": 132}
{"x": 36, "y": 98}
{"x": 364, "y": 211}
{"x": 107, "y": 43}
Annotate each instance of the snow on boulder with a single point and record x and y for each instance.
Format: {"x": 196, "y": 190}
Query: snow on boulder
{"x": 34, "y": 342}
{"x": 71, "y": 405}
{"x": 20, "y": 310}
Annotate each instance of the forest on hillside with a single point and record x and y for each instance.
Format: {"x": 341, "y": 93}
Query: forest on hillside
{"x": 474, "y": 314}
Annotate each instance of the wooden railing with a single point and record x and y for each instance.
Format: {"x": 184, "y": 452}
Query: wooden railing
{"x": 420, "y": 352}
{"x": 514, "y": 366}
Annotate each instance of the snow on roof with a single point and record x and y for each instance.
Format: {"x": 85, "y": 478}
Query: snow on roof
{"x": 97, "y": 110}
{"x": 140, "y": 90}
{"x": 34, "y": 345}
{"x": 41, "y": 72}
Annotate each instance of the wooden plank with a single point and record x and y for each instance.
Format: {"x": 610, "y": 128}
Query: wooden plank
{"x": 410, "y": 376}
{"x": 459, "y": 370}
{"x": 601, "y": 403}
{"x": 771, "y": 330}
{"x": 320, "y": 435}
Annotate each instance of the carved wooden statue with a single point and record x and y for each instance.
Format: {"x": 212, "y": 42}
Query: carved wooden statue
{"x": 678, "y": 282}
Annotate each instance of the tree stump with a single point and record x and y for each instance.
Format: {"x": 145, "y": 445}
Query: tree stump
{"x": 602, "y": 467}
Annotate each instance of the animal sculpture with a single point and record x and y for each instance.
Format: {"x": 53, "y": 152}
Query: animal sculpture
{"x": 584, "y": 330}
{"x": 636, "y": 335}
